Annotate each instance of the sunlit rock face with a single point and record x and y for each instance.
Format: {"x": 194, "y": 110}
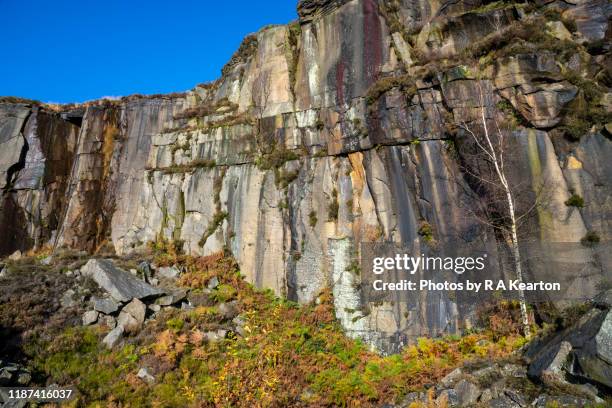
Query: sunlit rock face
{"x": 336, "y": 130}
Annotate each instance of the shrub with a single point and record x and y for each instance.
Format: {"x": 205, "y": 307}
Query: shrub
{"x": 275, "y": 158}
{"x": 590, "y": 239}
{"x": 426, "y": 231}
{"x": 224, "y": 293}
{"x": 575, "y": 201}
{"x": 333, "y": 207}
{"x": 312, "y": 218}
{"x": 284, "y": 178}
{"x": 404, "y": 82}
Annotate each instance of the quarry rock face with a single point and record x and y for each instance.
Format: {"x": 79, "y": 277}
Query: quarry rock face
{"x": 336, "y": 130}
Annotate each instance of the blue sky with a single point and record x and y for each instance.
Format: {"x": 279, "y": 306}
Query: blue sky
{"x": 73, "y": 51}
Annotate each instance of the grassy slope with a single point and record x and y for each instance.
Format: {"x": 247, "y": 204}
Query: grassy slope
{"x": 290, "y": 355}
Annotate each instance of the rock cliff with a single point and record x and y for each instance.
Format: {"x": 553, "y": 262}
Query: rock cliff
{"x": 339, "y": 129}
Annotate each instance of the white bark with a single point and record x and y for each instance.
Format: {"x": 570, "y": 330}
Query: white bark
{"x": 496, "y": 159}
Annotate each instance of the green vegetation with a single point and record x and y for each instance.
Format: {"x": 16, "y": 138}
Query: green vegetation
{"x": 275, "y": 158}
{"x": 590, "y": 239}
{"x": 247, "y": 48}
{"x": 284, "y": 177}
{"x": 426, "y": 231}
{"x": 312, "y": 219}
{"x": 290, "y": 354}
{"x": 223, "y": 105}
{"x": 404, "y": 82}
{"x": 333, "y": 207}
{"x": 575, "y": 201}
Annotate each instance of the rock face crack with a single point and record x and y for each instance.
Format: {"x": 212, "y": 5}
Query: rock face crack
{"x": 13, "y": 171}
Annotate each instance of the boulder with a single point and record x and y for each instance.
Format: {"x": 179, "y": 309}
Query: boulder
{"x": 545, "y": 401}
{"x": 239, "y": 322}
{"x": 503, "y": 402}
{"x": 199, "y": 298}
{"x": 448, "y": 398}
{"x": 67, "y": 299}
{"x": 467, "y": 393}
{"x": 173, "y": 298}
{"x": 168, "y": 272}
{"x": 118, "y": 283}
{"x": 595, "y": 358}
{"x": 105, "y": 305}
{"x": 90, "y": 317}
{"x": 113, "y": 337}
{"x": 550, "y": 367}
{"x": 213, "y": 283}
{"x": 229, "y": 310}
{"x": 451, "y": 378}
{"x": 144, "y": 375}
{"x": 108, "y": 321}
{"x": 215, "y": 336}
{"x": 585, "y": 347}
{"x": 132, "y": 316}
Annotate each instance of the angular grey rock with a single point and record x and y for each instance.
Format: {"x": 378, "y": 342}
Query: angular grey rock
{"x": 503, "y": 402}
{"x": 550, "y": 362}
{"x": 187, "y": 306}
{"x": 467, "y": 393}
{"x": 118, "y": 283}
{"x": 105, "y": 305}
{"x": 596, "y": 357}
{"x": 90, "y": 317}
{"x": 451, "y": 378}
{"x": 173, "y": 298}
{"x": 3, "y": 271}
{"x": 412, "y": 398}
{"x": 213, "y": 283}
{"x": 67, "y": 299}
{"x": 239, "y": 322}
{"x": 603, "y": 339}
{"x": 132, "y": 316}
{"x": 449, "y": 397}
{"x": 199, "y": 298}
{"x": 555, "y": 370}
{"x": 215, "y": 336}
{"x": 168, "y": 272}
{"x": 113, "y": 337}
{"x": 154, "y": 308}
{"x": 144, "y": 375}
{"x": 513, "y": 370}
{"x": 128, "y": 322}
{"x": 545, "y": 401}
{"x": 229, "y": 310}
{"x": 108, "y": 321}
{"x": 516, "y": 397}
